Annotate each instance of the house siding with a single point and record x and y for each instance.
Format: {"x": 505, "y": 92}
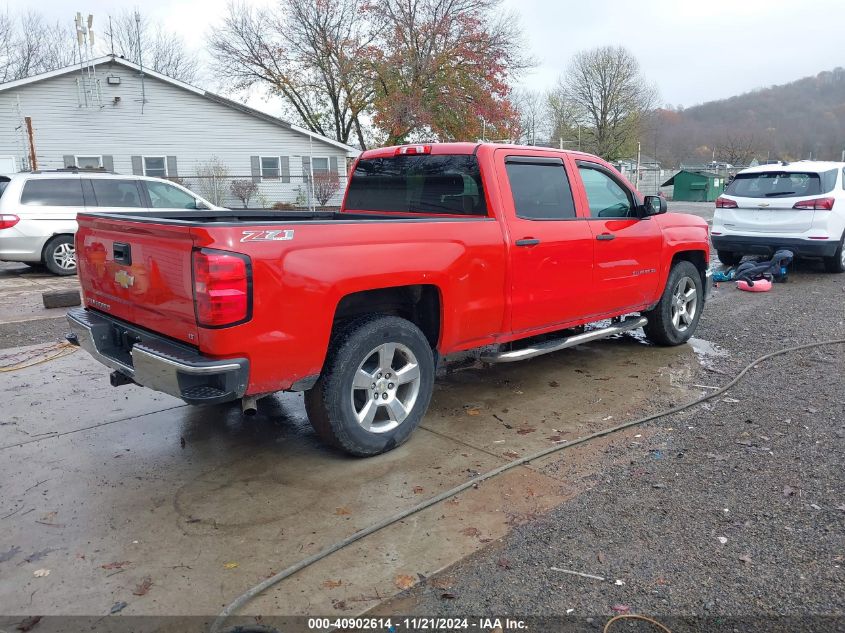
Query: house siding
{"x": 173, "y": 122}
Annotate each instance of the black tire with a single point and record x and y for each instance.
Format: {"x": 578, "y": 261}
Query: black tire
{"x": 661, "y": 329}
{"x": 59, "y": 255}
{"x": 334, "y": 403}
{"x": 836, "y": 264}
{"x": 729, "y": 258}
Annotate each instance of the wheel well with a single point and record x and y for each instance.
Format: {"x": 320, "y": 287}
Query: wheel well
{"x": 50, "y": 239}
{"x": 696, "y": 258}
{"x": 419, "y": 304}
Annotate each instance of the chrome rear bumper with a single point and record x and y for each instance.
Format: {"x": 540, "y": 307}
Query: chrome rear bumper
{"x": 156, "y": 362}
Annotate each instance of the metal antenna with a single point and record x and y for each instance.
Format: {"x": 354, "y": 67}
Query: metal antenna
{"x": 140, "y": 58}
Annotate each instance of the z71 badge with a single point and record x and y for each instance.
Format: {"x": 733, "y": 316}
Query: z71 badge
{"x": 267, "y": 236}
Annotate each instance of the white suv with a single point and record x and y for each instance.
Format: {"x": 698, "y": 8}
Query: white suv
{"x": 38, "y": 210}
{"x": 798, "y": 206}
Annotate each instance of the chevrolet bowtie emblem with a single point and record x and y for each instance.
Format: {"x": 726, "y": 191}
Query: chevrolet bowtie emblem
{"x": 123, "y": 279}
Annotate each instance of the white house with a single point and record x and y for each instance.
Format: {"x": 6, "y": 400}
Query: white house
{"x": 114, "y": 115}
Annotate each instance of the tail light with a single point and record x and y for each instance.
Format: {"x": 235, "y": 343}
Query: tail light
{"x": 726, "y": 203}
{"x": 7, "y": 220}
{"x": 817, "y": 204}
{"x": 222, "y": 288}
{"x": 409, "y": 150}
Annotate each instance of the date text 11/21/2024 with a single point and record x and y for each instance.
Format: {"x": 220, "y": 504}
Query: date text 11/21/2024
{"x": 395, "y": 625}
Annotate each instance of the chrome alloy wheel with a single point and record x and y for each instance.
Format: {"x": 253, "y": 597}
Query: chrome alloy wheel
{"x": 385, "y": 387}
{"x": 684, "y": 304}
{"x": 64, "y": 255}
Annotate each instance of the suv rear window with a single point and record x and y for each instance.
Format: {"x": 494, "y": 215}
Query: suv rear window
{"x": 53, "y": 192}
{"x": 418, "y": 184}
{"x": 781, "y": 184}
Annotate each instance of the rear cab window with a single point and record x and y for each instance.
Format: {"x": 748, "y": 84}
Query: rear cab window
{"x": 782, "y": 184}
{"x": 53, "y": 192}
{"x": 448, "y": 184}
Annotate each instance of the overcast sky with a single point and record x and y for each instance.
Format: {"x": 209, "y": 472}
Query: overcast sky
{"x": 694, "y": 51}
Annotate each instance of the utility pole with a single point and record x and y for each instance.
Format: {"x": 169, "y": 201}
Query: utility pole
{"x": 639, "y": 154}
{"x": 33, "y": 161}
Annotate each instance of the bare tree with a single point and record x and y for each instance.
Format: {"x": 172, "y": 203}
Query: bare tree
{"x": 735, "y": 148}
{"x": 326, "y": 187}
{"x": 315, "y": 55}
{"x": 211, "y": 180}
{"x": 161, "y": 51}
{"x": 535, "y": 120}
{"x": 563, "y": 119}
{"x": 610, "y": 93}
{"x": 30, "y": 45}
{"x": 243, "y": 190}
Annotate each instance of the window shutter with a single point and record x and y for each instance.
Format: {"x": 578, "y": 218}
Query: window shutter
{"x": 284, "y": 168}
{"x": 69, "y": 160}
{"x": 333, "y": 164}
{"x": 172, "y": 172}
{"x": 306, "y": 168}
{"x": 137, "y": 166}
{"x": 255, "y": 166}
{"x": 108, "y": 163}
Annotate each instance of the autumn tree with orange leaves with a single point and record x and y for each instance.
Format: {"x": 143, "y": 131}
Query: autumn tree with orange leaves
{"x": 379, "y": 71}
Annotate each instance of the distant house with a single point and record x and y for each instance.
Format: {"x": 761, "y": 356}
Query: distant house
{"x": 113, "y": 115}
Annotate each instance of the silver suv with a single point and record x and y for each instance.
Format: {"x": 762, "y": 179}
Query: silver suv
{"x": 38, "y": 210}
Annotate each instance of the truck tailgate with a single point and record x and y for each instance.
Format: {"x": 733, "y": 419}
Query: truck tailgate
{"x": 139, "y": 272}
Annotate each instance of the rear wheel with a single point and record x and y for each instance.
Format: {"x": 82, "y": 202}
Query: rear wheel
{"x": 836, "y": 264}
{"x": 375, "y": 387}
{"x": 729, "y": 258}
{"x": 674, "y": 319}
{"x": 60, "y": 255}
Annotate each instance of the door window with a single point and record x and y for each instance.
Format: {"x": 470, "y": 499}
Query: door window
{"x": 606, "y": 197}
{"x": 53, "y": 192}
{"x": 164, "y": 196}
{"x": 540, "y": 188}
{"x": 116, "y": 193}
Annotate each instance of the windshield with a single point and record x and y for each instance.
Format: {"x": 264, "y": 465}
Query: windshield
{"x": 781, "y": 184}
{"x": 418, "y": 184}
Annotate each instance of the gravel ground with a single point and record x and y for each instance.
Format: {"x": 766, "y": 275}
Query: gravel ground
{"x": 734, "y": 509}
{"x": 32, "y": 332}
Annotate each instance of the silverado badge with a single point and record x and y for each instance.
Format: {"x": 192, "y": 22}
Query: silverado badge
{"x": 123, "y": 279}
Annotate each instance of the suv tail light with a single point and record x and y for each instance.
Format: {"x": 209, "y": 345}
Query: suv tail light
{"x": 7, "y": 220}
{"x": 726, "y": 203}
{"x": 817, "y": 204}
{"x": 222, "y": 288}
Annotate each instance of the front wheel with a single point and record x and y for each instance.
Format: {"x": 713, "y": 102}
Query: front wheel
{"x": 674, "y": 319}
{"x": 836, "y": 264}
{"x": 375, "y": 387}
{"x": 60, "y": 255}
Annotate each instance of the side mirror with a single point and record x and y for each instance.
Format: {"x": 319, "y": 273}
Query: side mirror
{"x": 199, "y": 204}
{"x": 654, "y": 205}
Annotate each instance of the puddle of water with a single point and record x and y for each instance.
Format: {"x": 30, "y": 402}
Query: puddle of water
{"x": 706, "y": 351}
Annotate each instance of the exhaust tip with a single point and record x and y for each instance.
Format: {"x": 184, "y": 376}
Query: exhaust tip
{"x": 249, "y": 406}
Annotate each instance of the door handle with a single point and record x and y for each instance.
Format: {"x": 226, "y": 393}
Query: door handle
{"x": 527, "y": 241}
{"x": 605, "y": 237}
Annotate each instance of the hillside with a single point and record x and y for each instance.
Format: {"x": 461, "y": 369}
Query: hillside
{"x": 789, "y": 121}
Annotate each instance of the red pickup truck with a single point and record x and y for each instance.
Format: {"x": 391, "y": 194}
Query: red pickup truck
{"x": 515, "y": 251}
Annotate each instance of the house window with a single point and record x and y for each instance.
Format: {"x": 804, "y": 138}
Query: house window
{"x": 270, "y": 167}
{"x": 89, "y": 162}
{"x": 320, "y": 165}
{"x": 155, "y": 166}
